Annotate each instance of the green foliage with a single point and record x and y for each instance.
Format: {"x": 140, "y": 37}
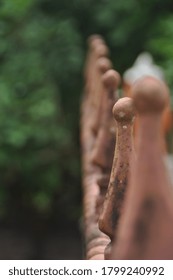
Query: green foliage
{"x": 161, "y": 45}
{"x": 15, "y": 9}
{"x": 39, "y": 54}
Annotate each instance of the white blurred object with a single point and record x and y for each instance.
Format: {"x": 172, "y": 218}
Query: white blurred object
{"x": 169, "y": 164}
{"x": 143, "y": 66}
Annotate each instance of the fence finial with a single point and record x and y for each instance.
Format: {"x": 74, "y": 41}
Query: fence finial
{"x": 102, "y": 154}
{"x": 123, "y": 112}
{"x": 97, "y": 64}
{"x": 146, "y": 226}
{"x": 103, "y": 64}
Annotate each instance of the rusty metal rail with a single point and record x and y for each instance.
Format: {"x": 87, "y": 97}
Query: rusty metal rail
{"x": 127, "y": 194}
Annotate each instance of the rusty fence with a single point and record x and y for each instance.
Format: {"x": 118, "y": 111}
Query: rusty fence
{"x": 127, "y": 190}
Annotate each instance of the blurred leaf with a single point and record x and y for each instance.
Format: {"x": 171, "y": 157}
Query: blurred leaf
{"x": 15, "y": 8}
{"x": 42, "y": 202}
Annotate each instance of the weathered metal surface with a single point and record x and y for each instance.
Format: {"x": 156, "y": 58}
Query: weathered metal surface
{"x": 105, "y": 142}
{"x": 134, "y": 205}
{"x": 97, "y": 49}
{"x": 90, "y": 118}
{"x": 102, "y": 154}
{"x": 123, "y": 112}
{"x": 146, "y": 226}
{"x": 96, "y": 66}
{"x": 103, "y": 64}
{"x": 103, "y": 182}
{"x": 91, "y": 194}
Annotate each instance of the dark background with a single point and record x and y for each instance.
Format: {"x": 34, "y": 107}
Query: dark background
{"x": 42, "y": 54}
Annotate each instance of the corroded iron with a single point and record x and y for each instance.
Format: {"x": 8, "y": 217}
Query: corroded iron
{"x": 97, "y": 49}
{"x": 93, "y": 172}
{"x": 96, "y": 247}
{"x": 123, "y": 112}
{"x": 146, "y": 225}
{"x": 136, "y": 216}
{"x": 103, "y": 64}
{"x": 93, "y": 42}
{"x": 102, "y": 155}
{"x": 105, "y": 142}
{"x": 95, "y": 240}
{"x": 97, "y": 65}
{"x": 89, "y": 114}
{"x": 103, "y": 182}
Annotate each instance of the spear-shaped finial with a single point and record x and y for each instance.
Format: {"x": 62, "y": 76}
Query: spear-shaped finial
{"x": 103, "y": 151}
{"x": 123, "y": 112}
{"x": 146, "y": 226}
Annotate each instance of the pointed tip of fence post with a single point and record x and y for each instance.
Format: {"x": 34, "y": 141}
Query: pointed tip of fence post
{"x": 102, "y": 154}
{"x": 124, "y": 113}
{"x": 95, "y": 38}
{"x": 145, "y": 229}
{"x": 150, "y": 95}
{"x": 103, "y": 64}
{"x": 111, "y": 79}
{"x": 98, "y": 46}
{"x": 124, "y": 110}
{"x": 101, "y": 49}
